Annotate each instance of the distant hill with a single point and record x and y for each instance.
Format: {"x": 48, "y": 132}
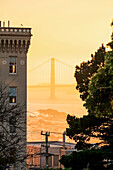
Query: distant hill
{"x": 52, "y": 114}
{"x": 47, "y": 120}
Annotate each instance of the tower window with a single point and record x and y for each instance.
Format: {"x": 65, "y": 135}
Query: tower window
{"x": 12, "y": 95}
{"x": 12, "y": 125}
{"x": 12, "y": 65}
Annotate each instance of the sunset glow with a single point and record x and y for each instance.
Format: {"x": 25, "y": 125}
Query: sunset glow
{"x": 68, "y": 32}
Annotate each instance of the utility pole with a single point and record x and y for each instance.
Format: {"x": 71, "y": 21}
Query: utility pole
{"x": 64, "y": 133}
{"x": 46, "y": 134}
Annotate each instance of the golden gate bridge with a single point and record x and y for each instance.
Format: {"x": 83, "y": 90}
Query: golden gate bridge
{"x": 51, "y": 73}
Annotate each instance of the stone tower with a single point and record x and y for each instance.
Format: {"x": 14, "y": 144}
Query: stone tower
{"x": 14, "y": 45}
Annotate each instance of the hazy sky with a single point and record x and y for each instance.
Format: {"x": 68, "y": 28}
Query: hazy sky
{"x": 69, "y": 30}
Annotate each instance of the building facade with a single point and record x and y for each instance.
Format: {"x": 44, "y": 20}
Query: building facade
{"x": 37, "y": 154}
{"x": 14, "y": 45}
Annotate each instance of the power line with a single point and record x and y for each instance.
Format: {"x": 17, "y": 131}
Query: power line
{"x": 34, "y": 132}
{"x": 39, "y": 131}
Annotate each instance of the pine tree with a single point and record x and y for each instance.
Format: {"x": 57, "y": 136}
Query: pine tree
{"x": 95, "y": 84}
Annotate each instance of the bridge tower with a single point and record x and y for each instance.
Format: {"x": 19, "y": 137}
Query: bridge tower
{"x": 52, "y": 82}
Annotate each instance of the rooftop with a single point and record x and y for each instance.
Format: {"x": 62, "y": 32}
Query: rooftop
{"x": 55, "y": 143}
{"x": 14, "y": 30}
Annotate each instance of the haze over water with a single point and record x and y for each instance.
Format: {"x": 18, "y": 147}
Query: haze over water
{"x": 50, "y": 115}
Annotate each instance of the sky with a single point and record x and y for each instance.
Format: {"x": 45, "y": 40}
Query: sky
{"x": 69, "y": 30}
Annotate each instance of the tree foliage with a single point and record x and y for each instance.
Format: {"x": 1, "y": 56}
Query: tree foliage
{"x": 95, "y": 84}
{"x": 81, "y": 129}
{"x": 85, "y": 71}
{"x": 99, "y": 99}
{"x": 90, "y": 159}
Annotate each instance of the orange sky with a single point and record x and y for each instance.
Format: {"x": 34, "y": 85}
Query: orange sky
{"x": 69, "y": 30}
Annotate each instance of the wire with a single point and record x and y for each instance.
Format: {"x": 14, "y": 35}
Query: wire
{"x": 39, "y": 66}
{"x": 64, "y": 63}
{"x": 45, "y": 131}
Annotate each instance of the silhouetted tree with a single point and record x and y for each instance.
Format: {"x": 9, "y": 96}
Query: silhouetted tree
{"x": 12, "y": 130}
{"x": 95, "y": 84}
{"x": 85, "y": 71}
{"x": 80, "y": 129}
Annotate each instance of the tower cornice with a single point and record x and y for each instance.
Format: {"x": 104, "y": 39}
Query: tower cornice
{"x": 9, "y": 31}
{"x": 14, "y": 39}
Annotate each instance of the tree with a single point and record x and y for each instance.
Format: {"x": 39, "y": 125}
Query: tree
{"x": 89, "y": 159}
{"x": 12, "y": 126}
{"x": 95, "y": 84}
{"x": 99, "y": 99}
{"x": 85, "y": 71}
{"x": 80, "y": 129}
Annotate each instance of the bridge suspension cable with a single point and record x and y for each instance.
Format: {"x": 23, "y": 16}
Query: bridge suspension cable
{"x": 39, "y": 65}
{"x": 41, "y": 74}
{"x": 64, "y": 63}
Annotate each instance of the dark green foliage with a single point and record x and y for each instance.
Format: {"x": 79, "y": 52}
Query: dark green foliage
{"x": 83, "y": 159}
{"x": 84, "y": 72}
{"x": 95, "y": 84}
{"x": 81, "y": 129}
{"x": 98, "y": 101}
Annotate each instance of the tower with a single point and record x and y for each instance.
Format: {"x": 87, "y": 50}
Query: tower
{"x": 14, "y": 45}
{"x": 52, "y": 82}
